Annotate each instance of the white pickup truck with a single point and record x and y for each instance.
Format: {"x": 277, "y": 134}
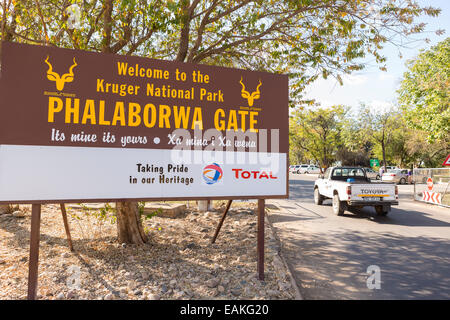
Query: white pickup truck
{"x": 349, "y": 187}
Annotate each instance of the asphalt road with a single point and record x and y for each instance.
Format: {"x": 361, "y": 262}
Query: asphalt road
{"x": 330, "y": 255}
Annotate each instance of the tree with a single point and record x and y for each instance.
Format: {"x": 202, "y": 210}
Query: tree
{"x": 304, "y": 38}
{"x": 424, "y": 92}
{"x": 355, "y": 145}
{"x": 316, "y": 132}
{"x": 378, "y": 126}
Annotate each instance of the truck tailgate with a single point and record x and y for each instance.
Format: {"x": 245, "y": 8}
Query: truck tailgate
{"x": 373, "y": 192}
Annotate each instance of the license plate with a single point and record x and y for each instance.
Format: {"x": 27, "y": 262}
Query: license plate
{"x": 372, "y": 198}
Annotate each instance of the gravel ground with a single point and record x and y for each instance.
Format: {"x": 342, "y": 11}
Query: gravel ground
{"x": 179, "y": 262}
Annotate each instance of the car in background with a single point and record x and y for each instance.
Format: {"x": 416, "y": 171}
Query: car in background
{"x": 312, "y": 169}
{"x": 372, "y": 174}
{"x": 301, "y": 168}
{"x": 399, "y": 176}
{"x": 293, "y": 169}
{"x": 391, "y": 168}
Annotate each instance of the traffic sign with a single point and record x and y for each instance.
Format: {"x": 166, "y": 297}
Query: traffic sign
{"x": 447, "y": 161}
{"x": 430, "y": 184}
{"x": 374, "y": 162}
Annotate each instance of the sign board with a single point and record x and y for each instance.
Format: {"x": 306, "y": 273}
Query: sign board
{"x": 432, "y": 197}
{"x": 430, "y": 184}
{"x": 374, "y": 163}
{"x": 77, "y": 125}
{"x": 447, "y": 161}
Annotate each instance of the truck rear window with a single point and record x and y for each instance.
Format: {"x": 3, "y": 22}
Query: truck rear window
{"x": 345, "y": 173}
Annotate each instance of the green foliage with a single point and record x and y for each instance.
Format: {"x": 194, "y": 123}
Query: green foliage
{"x": 329, "y": 135}
{"x": 91, "y": 221}
{"x": 317, "y": 133}
{"x": 105, "y": 214}
{"x": 147, "y": 216}
{"x": 424, "y": 93}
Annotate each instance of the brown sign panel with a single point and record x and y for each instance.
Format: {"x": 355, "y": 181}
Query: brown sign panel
{"x": 105, "y": 105}
{"x": 47, "y": 90}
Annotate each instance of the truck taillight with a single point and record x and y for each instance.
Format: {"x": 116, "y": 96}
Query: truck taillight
{"x": 349, "y": 192}
{"x": 396, "y": 192}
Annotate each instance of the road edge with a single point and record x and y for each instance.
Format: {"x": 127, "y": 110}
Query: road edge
{"x": 298, "y": 295}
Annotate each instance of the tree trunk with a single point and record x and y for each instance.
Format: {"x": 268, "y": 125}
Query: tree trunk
{"x": 129, "y": 225}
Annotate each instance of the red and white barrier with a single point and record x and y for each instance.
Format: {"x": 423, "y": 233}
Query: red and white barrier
{"x": 432, "y": 197}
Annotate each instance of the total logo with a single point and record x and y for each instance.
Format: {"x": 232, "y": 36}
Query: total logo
{"x": 243, "y": 174}
{"x": 212, "y": 173}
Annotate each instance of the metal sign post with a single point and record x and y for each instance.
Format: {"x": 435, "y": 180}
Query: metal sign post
{"x": 66, "y": 225}
{"x": 34, "y": 251}
{"x": 260, "y": 267}
{"x": 221, "y": 221}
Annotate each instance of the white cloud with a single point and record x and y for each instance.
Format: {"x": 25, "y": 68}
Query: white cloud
{"x": 354, "y": 80}
{"x": 385, "y": 77}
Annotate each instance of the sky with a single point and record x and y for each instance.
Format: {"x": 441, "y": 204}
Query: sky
{"x": 372, "y": 86}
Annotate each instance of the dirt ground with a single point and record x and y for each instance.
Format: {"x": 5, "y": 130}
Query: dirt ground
{"x": 178, "y": 262}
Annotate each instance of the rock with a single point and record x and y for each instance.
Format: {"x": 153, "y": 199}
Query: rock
{"x": 18, "y": 214}
{"x": 173, "y": 283}
{"x": 172, "y": 267}
{"x": 165, "y": 210}
{"x": 131, "y": 285}
{"x": 236, "y": 291}
{"x": 109, "y": 296}
{"x": 191, "y": 245}
{"x": 212, "y": 283}
{"x": 273, "y": 293}
{"x": 221, "y": 289}
{"x": 145, "y": 275}
{"x": 164, "y": 288}
{"x": 153, "y": 296}
{"x": 71, "y": 294}
{"x": 128, "y": 275}
{"x": 123, "y": 290}
{"x": 61, "y": 296}
{"x": 65, "y": 255}
{"x": 123, "y": 295}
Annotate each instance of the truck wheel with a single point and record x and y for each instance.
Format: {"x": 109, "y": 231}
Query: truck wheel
{"x": 318, "y": 198}
{"x": 378, "y": 177}
{"x": 338, "y": 206}
{"x": 381, "y": 210}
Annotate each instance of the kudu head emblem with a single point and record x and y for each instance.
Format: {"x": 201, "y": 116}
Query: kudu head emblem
{"x": 250, "y": 97}
{"x": 60, "y": 80}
